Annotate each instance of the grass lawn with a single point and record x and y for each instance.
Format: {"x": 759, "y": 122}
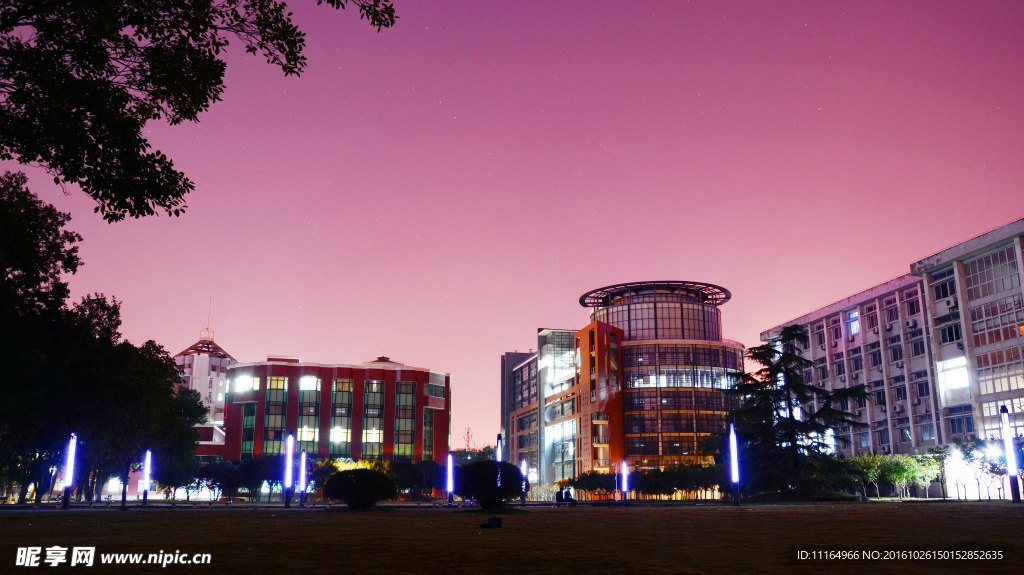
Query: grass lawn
{"x": 585, "y": 539}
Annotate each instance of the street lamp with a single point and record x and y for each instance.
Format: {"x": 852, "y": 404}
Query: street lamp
{"x": 1011, "y": 455}
{"x": 302, "y": 479}
{"x": 145, "y": 477}
{"x": 289, "y": 452}
{"x": 522, "y": 469}
{"x": 69, "y": 471}
{"x": 625, "y": 479}
{"x": 450, "y": 484}
{"x": 735, "y": 463}
{"x": 497, "y": 458}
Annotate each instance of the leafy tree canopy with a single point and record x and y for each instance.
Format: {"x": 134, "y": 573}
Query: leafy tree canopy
{"x": 36, "y": 252}
{"x": 80, "y": 80}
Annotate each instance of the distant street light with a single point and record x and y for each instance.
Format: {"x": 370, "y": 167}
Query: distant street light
{"x": 289, "y": 453}
{"x": 1011, "y": 454}
{"x": 69, "y": 471}
{"x": 735, "y": 463}
{"x": 450, "y": 484}
{"x": 145, "y": 477}
{"x": 497, "y": 459}
{"x": 625, "y": 479}
{"x": 302, "y": 479}
{"x": 522, "y": 469}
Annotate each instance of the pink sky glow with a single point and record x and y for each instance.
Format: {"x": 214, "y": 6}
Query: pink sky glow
{"x": 438, "y": 191}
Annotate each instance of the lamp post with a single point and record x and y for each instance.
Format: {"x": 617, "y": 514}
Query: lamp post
{"x": 735, "y": 463}
{"x": 450, "y": 483}
{"x": 1011, "y": 455}
{"x": 302, "y": 479}
{"x": 69, "y": 471}
{"x": 625, "y": 479}
{"x": 523, "y": 469}
{"x": 497, "y": 458}
{"x": 145, "y": 477}
{"x": 289, "y": 452}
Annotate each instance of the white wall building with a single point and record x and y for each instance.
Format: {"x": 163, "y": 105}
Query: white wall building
{"x": 878, "y": 337}
{"x": 203, "y": 367}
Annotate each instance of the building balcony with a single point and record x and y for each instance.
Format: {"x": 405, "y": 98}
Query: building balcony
{"x": 599, "y": 416}
{"x": 600, "y": 440}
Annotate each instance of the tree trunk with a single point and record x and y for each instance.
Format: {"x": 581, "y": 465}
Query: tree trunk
{"x": 125, "y": 470}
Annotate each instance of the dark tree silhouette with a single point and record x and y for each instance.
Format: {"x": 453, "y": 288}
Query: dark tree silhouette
{"x": 783, "y": 422}
{"x": 80, "y": 80}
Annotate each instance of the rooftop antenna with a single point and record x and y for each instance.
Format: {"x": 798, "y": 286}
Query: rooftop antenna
{"x": 207, "y": 334}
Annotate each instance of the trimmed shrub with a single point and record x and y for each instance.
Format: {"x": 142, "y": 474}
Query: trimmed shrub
{"x": 479, "y": 480}
{"x": 360, "y": 488}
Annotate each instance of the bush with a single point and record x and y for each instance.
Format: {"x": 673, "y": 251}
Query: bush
{"x": 479, "y": 480}
{"x": 360, "y": 488}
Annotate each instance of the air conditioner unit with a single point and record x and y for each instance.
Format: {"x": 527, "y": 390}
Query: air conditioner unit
{"x": 875, "y": 331}
{"x": 821, "y": 347}
{"x": 835, "y": 344}
{"x": 888, "y": 326}
{"x": 856, "y": 375}
{"x": 917, "y": 401}
{"x": 851, "y": 339}
{"x": 910, "y": 323}
{"x": 951, "y": 303}
{"x": 883, "y": 408}
{"x": 897, "y": 408}
{"x": 885, "y": 449}
{"x": 855, "y": 413}
{"x": 899, "y": 365}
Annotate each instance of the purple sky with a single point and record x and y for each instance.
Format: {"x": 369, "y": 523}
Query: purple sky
{"x": 438, "y": 191}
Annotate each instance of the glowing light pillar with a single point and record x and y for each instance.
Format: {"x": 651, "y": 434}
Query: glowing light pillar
{"x": 451, "y": 478}
{"x": 69, "y": 471}
{"x": 145, "y": 477}
{"x": 523, "y": 469}
{"x": 497, "y": 458}
{"x": 625, "y": 479}
{"x": 1011, "y": 455}
{"x": 289, "y": 452}
{"x": 302, "y": 479}
{"x": 735, "y": 463}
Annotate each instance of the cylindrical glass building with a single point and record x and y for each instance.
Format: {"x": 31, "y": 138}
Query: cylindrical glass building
{"x": 675, "y": 366}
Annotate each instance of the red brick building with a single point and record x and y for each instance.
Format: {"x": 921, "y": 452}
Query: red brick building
{"x": 380, "y": 409}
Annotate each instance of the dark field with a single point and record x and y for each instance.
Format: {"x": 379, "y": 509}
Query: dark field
{"x": 634, "y": 539}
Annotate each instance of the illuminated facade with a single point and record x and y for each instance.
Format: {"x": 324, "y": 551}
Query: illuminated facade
{"x": 643, "y": 382}
{"x": 378, "y": 410}
{"x": 654, "y": 354}
{"x": 880, "y": 338}
{"x": 976, "y": 312}
{"x": 941, "y": 349}
{"x": 519, "y": 409}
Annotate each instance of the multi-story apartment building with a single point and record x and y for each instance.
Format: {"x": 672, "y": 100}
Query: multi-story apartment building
{"x": 378, "y": 410}
{"x": 940, "y": 349}
{"x": 975, "y": 306}
{"x": 880, "y": 338}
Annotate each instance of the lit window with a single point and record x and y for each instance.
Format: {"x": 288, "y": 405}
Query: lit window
{"x": 247, "y": 383}
{"x": 373, "y": 436}
{"x": 307, "y": 434}
{"x": 340, "y": 435}
{"x": 953, "y": 374}
{"x": 309, "y": 383}
{"x": 853, "y": 322}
